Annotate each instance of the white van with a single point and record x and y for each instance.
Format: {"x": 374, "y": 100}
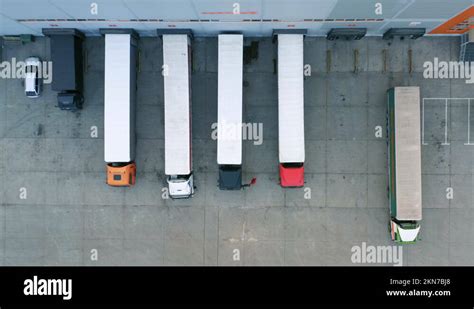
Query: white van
{"x": 33, "y": 82}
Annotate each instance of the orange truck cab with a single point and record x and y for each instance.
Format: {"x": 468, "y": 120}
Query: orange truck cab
{"x": 119, "y": 175}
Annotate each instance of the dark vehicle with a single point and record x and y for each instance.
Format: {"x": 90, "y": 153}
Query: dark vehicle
{"x": 68, "y": 74}
{"x": 230, "y": 177}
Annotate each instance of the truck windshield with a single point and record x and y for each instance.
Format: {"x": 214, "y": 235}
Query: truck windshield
{"x": 179, "y": 178}
{"x": 292, "y": 165}
{"x": 408, "y": 225}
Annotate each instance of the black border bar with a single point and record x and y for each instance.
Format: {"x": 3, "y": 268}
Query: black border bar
{"x": 240, "y": 285}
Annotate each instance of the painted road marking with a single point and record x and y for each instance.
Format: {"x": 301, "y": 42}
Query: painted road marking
{"x": 448, "y": 102}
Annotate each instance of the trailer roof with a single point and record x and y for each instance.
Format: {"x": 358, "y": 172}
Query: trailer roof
{"x": 177, "y": 104}
{"x": 63, "y": 56}
{"x": 229, "y": 98}
{"x": 30, "y": 81}
{"x": 408, "y": 152}
{"x": 290, "y": 99}
{"x": 117, "y": 99}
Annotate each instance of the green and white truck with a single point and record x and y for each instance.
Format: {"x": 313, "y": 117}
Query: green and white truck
{"x": 404, "y": 160}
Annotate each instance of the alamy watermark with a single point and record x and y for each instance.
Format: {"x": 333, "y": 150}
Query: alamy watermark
{"x": 18, "y": 69}
{"x": 365, "y": 254}
{"x": 48, "y": 287}
{"x": 233, "y": 131}
{"x": 449, "y": 69}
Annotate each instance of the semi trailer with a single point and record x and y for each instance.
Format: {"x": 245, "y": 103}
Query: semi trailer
{"x": 229, "y": 111}
{"x": 119, "y": 105}
{"x": 177, "y": 102}
{"x": 404, "y": 160}
{"x": 291, "y": 144}
{"x": 67, "y": 61}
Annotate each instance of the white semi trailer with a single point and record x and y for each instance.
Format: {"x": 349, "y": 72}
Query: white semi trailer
{"x": 404, "y": 159}
{"x": 291, "y": 144}
{"x": 177, "y": 94}
{"x": 119, "y": 102}
{"x": 229, "y": 111}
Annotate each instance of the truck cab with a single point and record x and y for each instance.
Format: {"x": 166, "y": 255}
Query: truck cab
{"x": 230, "y": 177}
{"x": 180, "y": 186}
{"x": 292, "y": 175}
{"x": 121, "y": 175}
{"x": 70, "y": 101}
{"x": 404, "y": 231}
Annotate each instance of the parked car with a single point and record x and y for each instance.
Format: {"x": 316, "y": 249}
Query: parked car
{"x": 33, "y": 82}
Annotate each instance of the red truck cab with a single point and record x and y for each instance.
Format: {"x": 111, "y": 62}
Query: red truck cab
{"x": 291, "y": 175}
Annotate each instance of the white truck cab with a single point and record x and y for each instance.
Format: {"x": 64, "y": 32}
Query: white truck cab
{"x": 404, "y": 232}
{"x": 181, "y": 186}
